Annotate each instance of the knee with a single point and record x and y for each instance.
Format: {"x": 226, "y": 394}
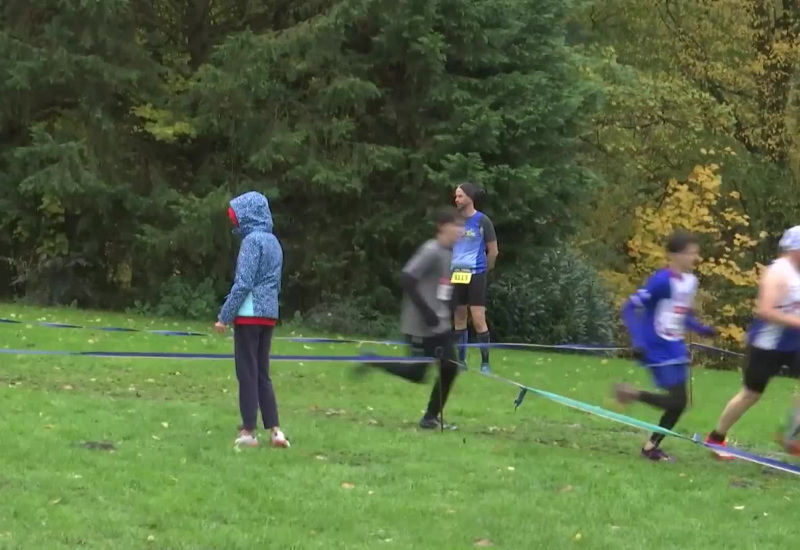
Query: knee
{"x": 749, "y": 397}
{"x": 460, "y": 316}
{"x": 679, "y": 401}
{"x": 479, "y": 318}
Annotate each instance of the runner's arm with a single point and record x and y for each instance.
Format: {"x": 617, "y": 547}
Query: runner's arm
{"x": 416, "y": 268}
{"x": 773, "y": 286}
{"x": 696, "y": 326}
{"x": 490, "y": 237}
{"x": 655, "y": 289}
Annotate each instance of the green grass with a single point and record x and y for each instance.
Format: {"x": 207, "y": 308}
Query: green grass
{"x": 544, "y": 476}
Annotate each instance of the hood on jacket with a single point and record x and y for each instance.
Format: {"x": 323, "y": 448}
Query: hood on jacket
{"x": 252, "y": 213}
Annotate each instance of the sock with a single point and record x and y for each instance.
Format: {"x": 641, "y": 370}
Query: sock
{"x": 483, "y": 338}
{"x": 462, "y": 337}
{"x": 716, "y": 437}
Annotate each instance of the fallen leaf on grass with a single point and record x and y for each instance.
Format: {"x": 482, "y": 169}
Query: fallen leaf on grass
{"x": 55, "y": 501}
{"x": 483, "y": 542}
{"x": 348, "y": 486}
{"x": 99, "y": 446}
{"x": 320, "y": 457}
{"x": 150, "y": 538}
{"x": 578, "y": 536}
{"x": 565, "y": 489}
{"x": 165, "y": 424}
{"x": 738, "y": 507}
{"x": 511, "y": 468}
{"x": 156, "y": 437}
{"x": 67, "y": 387}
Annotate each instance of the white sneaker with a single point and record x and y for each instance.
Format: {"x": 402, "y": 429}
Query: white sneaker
{"x": 279, "y": 440}
{"x": 246, "y": 440}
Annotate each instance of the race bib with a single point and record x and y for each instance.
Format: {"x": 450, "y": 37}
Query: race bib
{"x": 461, "y": 277}
{"x": 671, "y": 323}
{"x": 444, "y": 292}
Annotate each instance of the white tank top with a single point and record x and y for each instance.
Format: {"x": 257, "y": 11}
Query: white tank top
{"x": 772, "y": 336}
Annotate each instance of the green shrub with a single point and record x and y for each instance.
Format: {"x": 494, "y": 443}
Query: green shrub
{"x": 551, "y": 298}
{"x": 184, "y": 299}
{"x": 337, "y": 315}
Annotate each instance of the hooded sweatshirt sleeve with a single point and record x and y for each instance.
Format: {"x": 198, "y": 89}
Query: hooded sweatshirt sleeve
{"x": 246, "y": 266}
{"x": 656, "y": 288}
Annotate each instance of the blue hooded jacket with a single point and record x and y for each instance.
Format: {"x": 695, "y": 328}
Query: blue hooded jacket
{"x": 257, "y": 282}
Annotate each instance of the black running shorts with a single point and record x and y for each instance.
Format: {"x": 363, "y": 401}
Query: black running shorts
{"x": 762, "y": 364}
{"x": 473, "y": 293}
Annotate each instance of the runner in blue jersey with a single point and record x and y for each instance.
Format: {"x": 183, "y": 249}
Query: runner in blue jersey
{"x": 473, "y": 256}
{"x": 773, "y": 340}
{"x": 657, "y": 317}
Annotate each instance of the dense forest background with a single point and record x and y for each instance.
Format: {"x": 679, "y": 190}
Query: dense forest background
{"x": 595, "y": 126}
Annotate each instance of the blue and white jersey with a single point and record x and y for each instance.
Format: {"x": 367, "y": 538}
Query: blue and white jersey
{"x": 772, "y": 336}
{"x": 469, "y": 253}
{"x": 659, "y": 313}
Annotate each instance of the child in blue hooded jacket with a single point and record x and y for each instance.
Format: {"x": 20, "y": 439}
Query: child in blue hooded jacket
{"x": 252, "y": 308}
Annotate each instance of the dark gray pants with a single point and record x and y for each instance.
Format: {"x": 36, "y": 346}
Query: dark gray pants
{"x": 251, "y": 349}
{"x": 440, "y": 347}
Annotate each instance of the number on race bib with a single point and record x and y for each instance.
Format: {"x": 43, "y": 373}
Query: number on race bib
{"x": 670, "y": 321}
{"x": 461, "y": 277}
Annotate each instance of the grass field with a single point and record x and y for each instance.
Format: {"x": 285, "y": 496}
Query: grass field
{"x": 360, "y": 474}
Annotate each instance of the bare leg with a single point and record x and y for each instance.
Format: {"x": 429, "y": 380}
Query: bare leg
{"x": 478, "y": 319}
{"x": 735, "y": 409}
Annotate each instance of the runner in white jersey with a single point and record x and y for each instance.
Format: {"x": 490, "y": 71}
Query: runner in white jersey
{"x": 773, "y": 337}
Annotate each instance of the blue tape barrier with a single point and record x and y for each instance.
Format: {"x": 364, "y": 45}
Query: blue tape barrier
{"x": 495, "y": 345}
{"x": 221, "y": 356}
{"x": 750, "y": 457}
{"x": 321, "y": 340}
{"x": 107, "y": 329}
